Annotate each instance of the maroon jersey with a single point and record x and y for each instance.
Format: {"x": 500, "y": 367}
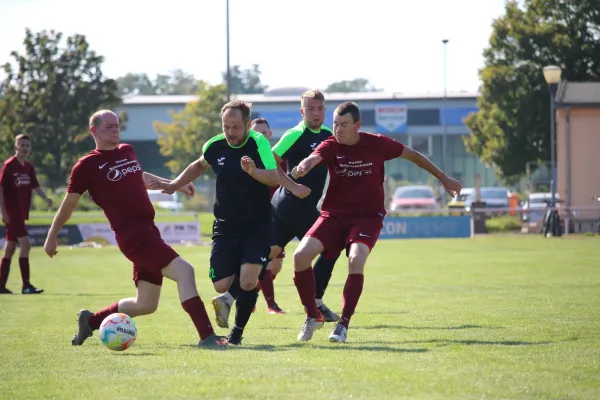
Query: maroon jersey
{"x": 273, "y": 189}
{"x": 356, "y": 174}
{"x": 17, "y": 182}
{"x": 114, "y": 180}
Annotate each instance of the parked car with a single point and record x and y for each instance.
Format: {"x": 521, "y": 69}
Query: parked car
{"x": 165, "y": 201}
{"x": 413, "y": 197}
{"x": 458, "y": 202}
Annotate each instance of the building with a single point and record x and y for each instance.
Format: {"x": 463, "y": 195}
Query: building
{"x": 578, "y": 146}
{"x": 420, "y": 121}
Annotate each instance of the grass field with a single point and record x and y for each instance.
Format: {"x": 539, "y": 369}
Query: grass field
{"x": 505, "y": 317}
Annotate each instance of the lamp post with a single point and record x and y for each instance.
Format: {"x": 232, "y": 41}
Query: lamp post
{"x": 552, "y": 75}
{"x": 444, "y": 122}
{"x": 228, "y": 79}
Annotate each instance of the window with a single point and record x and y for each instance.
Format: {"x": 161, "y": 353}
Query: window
{"x": 422, "y": 144}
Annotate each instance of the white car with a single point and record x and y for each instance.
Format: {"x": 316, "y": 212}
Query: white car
{"x": 165, "y": 201}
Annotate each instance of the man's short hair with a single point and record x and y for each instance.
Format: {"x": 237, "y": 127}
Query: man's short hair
{"x": 96, "y": 118}
{"x": 239, "y": 105}
{"x": 261, "y": 121}
{"x": 22, "y": 136}
{"x": 315, "y": 94}
{"x": 349, "y": 107}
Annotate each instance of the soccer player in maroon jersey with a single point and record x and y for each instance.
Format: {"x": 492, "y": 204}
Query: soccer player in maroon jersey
{"x": 353, "y": 210}
{"x": 114, "y": 179}
{"x": 18, "y": 180}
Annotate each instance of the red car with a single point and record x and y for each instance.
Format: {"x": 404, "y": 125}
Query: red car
{"x": 413, "y": 197}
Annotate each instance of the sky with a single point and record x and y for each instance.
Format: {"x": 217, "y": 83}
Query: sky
{"x": 396, "y": 44}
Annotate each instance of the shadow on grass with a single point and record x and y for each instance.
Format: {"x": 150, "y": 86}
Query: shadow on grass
{"x": 124, "y": 354}
{"x": 337, "y": 346}
{"x": 119, "y": 295}
{"x": 427, "y": 327}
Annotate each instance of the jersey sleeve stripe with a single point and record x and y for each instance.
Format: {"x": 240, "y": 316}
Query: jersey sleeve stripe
{"x": 288, "y": 139}
{"x": 211, "y": 141}
{"x": 264, "y": 151}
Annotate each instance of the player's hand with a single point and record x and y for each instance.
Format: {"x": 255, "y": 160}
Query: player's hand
{"x": 157, "y": 184}
{"x": 50, "y": 246}
{"x": 248, "y": 165}
{"x": 5, "y": 218}
{"x": 452, "y": 186}
{"x": 299, "y": 171}
{"x": 300, "y": 191}
{"x": 49, "y": 201}
{"x": 189, "y": 189}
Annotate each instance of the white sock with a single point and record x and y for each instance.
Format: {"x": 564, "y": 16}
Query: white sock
{"x": 228, "y": 298}
{"x": 319, "y": 302}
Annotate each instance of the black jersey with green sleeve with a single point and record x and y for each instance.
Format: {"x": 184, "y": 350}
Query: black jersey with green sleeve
{"x": 241, "y": 200}
{"x": 294, "y": 146}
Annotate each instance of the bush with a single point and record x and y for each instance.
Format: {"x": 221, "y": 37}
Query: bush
{"x": 198, "y": 203}
{"x": 506, "y": 223}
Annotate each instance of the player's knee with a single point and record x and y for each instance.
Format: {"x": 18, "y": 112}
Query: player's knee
{"x": 147, "y": 306}
{"x": 276, "y": 268}
{"x": 9, "y": 249}
{"x": 247, "y": 283}
{"x": 302, "y": 258}
{"x": 357, "y": 258}
{"x": 275, "y": 251}
{"x": 222, "y": 286}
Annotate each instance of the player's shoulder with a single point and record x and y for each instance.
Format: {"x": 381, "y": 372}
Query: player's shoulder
{"x": 125, "y": 146}
{"x": 10, "y": 160}
{"x": 327, "y": 130}
{"x": 374, "y": 138}
{"x": 212, "y": 142}
{"x": 257, "y": 137}
{"x": 296, "y": 131}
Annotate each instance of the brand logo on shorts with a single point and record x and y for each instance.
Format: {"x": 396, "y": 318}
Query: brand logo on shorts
{"x": 211, "y": 273}
{"x": 263, "y": 259}
{"x": 363, "y": 235}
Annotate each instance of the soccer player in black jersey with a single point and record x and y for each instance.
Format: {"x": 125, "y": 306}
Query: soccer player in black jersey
{"x": 245, "y": 168}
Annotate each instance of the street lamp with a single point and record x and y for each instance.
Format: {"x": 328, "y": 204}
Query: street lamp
{"x": 228, "y": 76}
{"x": 552, "y": 75}
{"x": 444, "y": 114}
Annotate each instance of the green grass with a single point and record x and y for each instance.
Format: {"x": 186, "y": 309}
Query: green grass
{"x": 491, "y": 317}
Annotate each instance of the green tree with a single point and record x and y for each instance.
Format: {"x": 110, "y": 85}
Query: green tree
{"x": 49, "y": 92}
{"x": 175, "y": 82}
{"x": 182, "y": 139}
{"x": 352, "y": 86}
{"x": 245, "y": 81}
{"x": 512, "y": 125}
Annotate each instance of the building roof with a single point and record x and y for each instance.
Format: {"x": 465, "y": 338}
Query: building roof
{"x": 271, "y": 98}
{"x": 578, "y": 93}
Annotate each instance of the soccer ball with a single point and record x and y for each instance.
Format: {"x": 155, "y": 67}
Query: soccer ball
{"x": 118, "y": 332}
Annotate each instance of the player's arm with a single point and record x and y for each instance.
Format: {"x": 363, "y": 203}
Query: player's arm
{"x": 5, "y": 218}
{"x": 190, "y": 174}
{"x": 306, "y": 165}
{"x": 150, "y": 179}
{"x": 269, "y": 175}
{"x": 297, "y": 189}
{"x": 452, "y": 186}
{"x": 68, "y": 205}
{"x": 40, "y": 192}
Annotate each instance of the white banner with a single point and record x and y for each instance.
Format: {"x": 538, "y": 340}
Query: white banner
{"x": 171, "y": 232}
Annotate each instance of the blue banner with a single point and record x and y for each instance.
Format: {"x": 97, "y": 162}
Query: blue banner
{"x": 287, "y": 119}
{"x": 429, "y": 227}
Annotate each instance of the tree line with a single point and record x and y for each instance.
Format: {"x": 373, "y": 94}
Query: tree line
{"x": 53, "y": 86}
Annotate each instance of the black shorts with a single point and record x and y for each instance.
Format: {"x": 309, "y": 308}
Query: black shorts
{"x": 230, "y": 252}
{"x": 285, "y": 227}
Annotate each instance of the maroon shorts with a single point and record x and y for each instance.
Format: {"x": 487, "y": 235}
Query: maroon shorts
{"x": 149, "y": 257}
{"x": 338, "y": 233}
{"x": 15, "y": 229}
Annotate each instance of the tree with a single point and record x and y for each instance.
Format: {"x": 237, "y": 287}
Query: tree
{"x": 245, "y": 81}
{"x": 175, "y": 82}
{"x": 351, "y": 86}
{"x": 512, "y": 126}
{"x": 200, "y": 120}
{"x": 49, "y": 92}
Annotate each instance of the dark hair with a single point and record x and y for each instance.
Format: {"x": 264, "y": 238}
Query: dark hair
{"x": 312, "y": 94}
{"x": 23, "y": 136}
{"x": 261, "y": 121}
{"x": 348, "y": 107}
{"x": 241, "y": 106}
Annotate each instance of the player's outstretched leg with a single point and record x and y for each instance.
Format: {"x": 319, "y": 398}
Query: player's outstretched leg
{"x": 182, "y": 272}
{"x": 304, "y": 280}
{"x": 352, "y": 290}
{"x": 266, "y": 283}
{"x": 25, "y": 247}
{"x": 222, "y": 304}
{"x": 245, "y": 302}
{"x": 322, "y": 271}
